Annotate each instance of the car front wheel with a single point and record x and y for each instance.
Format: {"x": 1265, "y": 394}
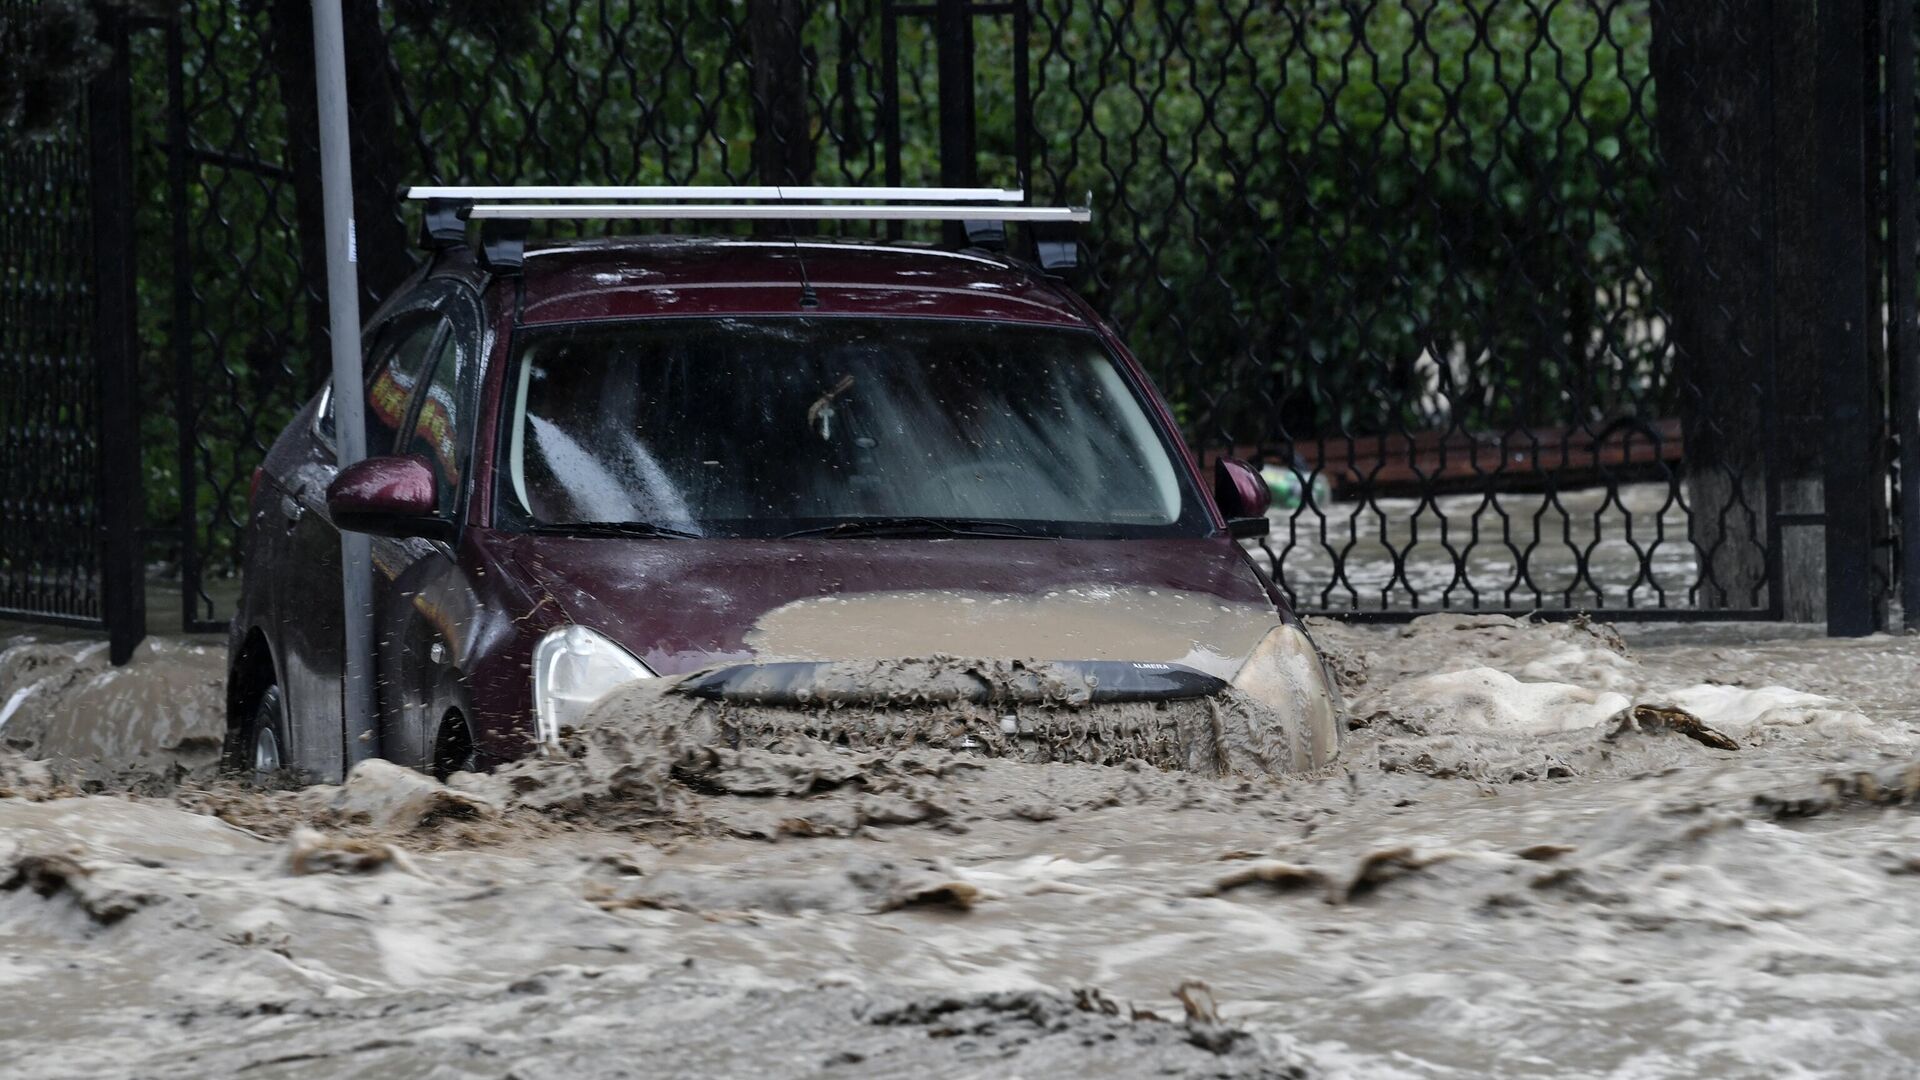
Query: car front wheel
{"x": 263, "y": 749}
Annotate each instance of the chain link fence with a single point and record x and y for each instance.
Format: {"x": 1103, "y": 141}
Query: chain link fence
{"x": 48, "y": 432}
{"x": 49, "y": 392}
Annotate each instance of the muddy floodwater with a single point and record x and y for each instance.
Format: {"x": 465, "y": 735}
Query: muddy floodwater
{"x": 1547, "y": 850}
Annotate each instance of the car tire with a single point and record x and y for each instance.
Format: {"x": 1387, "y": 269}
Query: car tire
{"x": 263, "y": 750}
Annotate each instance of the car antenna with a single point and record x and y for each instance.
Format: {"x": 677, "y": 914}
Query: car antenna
{"x": 808, "y": 298}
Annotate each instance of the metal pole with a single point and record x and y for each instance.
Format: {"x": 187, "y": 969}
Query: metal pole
{"x": 953, "y": 51}
{"x": 123, "y": 598}
{"x": 1903, "y": 293}
{"x": 1846, "y": 378}
{"x": 890, "y": 100}
{"x": 349, "y": 404}
{"x": 1022, "y": 100}
{"x": 186, "y": 403}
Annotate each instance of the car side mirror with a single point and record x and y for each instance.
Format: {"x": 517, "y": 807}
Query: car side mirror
{"x": 388, "y": 496}
{"x": 1243, "y": 497}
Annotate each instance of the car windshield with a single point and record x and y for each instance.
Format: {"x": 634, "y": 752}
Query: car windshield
{"x": 776, "y": 426}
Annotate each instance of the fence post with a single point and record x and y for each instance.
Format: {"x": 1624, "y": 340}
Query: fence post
{"x": 782, "y": 146}
{"x": 953, "y": 40}
{"x": 1903, "y": 294}
{"x": 1022, "y": 97}
{"x": 953, "y": 45}
{"x": 186, "y": 403}
{"x": 110, "y": 195}
{"x": 1846, "y": 376}
{"x": 890, "y": 94}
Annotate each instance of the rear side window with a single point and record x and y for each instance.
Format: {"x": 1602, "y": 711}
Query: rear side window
{"x": 400, "y": 362}
{"x": 439, "y": 428}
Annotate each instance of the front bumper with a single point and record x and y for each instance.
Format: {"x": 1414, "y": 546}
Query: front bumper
{"x": 1086, "y": 712}
{"x": 945, "y": 681}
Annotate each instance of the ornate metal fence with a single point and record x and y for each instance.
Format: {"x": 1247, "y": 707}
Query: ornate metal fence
{"x": 1490, "y": 283}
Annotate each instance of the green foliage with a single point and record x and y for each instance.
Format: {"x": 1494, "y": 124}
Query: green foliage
{"x": 50, "y": 51}
{"x": 1306, "y": 198}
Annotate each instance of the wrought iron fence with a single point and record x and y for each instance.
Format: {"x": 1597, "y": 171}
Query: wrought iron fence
{"x": 1492, "y": 283}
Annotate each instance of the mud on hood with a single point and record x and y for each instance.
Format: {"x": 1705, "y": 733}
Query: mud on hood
{"x": 684, "y": 605}
{"x": 1093, "y": 621}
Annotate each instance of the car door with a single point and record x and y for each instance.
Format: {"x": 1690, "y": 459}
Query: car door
{"x": 309, "y": 618}
{"x": 420, "y": 602}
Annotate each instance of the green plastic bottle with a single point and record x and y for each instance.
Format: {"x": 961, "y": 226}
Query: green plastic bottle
{"x": 1289, "y": 484}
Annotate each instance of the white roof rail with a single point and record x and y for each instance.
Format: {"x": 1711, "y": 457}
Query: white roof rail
{"x": 775, "y": 212}
{"x": 450, "y": 208}
{"x": 732, "y": 193}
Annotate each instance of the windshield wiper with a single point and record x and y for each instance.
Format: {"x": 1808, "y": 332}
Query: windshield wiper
{"x": 615, "y": 528}
{"x": 913, "y": 526}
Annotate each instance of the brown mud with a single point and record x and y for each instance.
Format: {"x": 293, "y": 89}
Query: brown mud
{"x": 1547, "y": 850}
{"x": 1093, "y": 622}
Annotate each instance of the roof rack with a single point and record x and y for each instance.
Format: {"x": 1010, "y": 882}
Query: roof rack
{"x": 505, "y": 211}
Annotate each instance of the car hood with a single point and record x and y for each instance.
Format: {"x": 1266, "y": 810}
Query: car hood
{"x": 684, "y": 605}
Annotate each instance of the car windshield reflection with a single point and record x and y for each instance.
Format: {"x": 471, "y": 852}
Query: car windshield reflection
{"x": 833, "y": 427}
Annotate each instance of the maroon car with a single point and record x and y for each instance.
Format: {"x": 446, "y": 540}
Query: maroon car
{"x": 736, "y": 462}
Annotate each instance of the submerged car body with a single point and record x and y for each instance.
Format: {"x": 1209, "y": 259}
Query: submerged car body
{"x": 741, "y": 459}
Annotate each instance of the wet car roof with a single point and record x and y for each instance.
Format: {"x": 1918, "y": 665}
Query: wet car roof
{"x": 655, "y": 276}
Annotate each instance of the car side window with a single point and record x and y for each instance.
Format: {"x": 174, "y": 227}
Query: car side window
{"x": 402, "y": 356}
{"x": 439, "y": 427}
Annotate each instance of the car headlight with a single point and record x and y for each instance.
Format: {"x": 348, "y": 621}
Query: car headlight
{"x": 1284, "y": 673}
{"x": 573, "y": 667}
